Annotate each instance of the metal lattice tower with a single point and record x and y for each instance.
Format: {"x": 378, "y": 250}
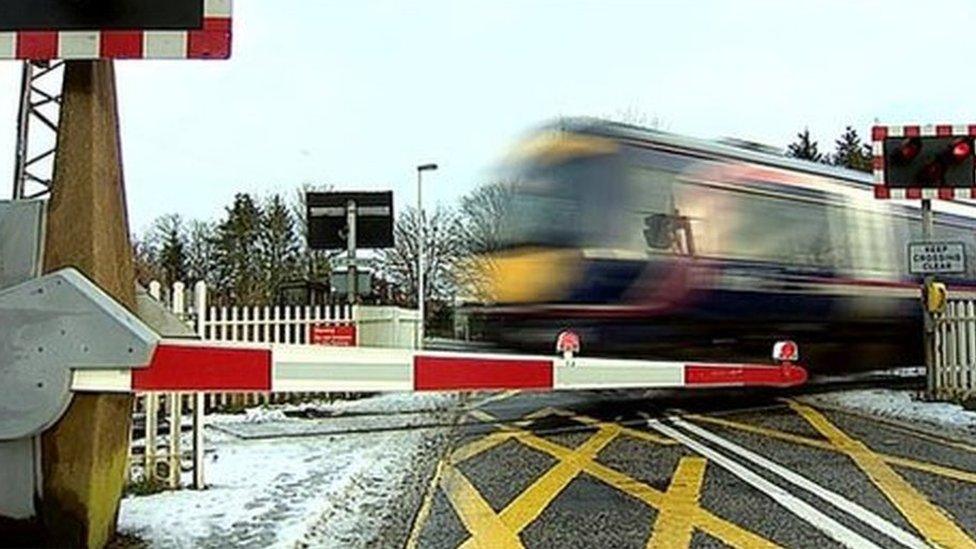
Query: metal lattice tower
{"x": 37, "y": 128}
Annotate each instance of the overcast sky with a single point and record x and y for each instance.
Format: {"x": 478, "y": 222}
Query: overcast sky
{"x": 356, "y": 94}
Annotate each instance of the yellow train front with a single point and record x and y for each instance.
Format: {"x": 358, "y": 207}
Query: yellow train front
{"x": 654, "y": 245}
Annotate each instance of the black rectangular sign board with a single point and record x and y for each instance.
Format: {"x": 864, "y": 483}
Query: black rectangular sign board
{"x": 326, "y": 214}
{"x": 27, "y": 15}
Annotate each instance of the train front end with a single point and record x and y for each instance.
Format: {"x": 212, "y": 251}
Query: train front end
{"x": 576, "y": 251}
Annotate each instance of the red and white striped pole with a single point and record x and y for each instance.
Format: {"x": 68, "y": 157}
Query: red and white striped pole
{"x": 228, "y": 367}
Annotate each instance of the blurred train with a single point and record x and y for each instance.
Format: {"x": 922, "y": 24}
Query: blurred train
{"x": 654, "y": 245}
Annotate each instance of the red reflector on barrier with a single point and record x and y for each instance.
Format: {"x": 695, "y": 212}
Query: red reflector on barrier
{"x": 445, "y": 373}
{"x": 196, "y": 367}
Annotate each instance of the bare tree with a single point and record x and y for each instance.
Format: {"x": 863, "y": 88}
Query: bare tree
{"x": 482, "y": 221}
{"x": 482, "y": 215}
{"x": 145, "y": 261}
{"x": 443, "y": 248}
{"x": 634, "y": 116}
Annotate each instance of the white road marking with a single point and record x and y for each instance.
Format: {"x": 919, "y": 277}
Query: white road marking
{"x": 840, "y": 502}
{"x": 791, "y": 503}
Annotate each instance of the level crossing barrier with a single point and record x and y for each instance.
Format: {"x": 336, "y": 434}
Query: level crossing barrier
{"x": 254, "y": 324}
{"x": 78, "y": 339}
{"x": 955, "y": 351}
{"x": 158, "y": 415}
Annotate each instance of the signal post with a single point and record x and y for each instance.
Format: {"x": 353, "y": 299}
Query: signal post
{"x": 927, "y": 162}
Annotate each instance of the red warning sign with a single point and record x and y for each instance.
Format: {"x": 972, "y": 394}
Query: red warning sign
{"x": 335, "y": 335}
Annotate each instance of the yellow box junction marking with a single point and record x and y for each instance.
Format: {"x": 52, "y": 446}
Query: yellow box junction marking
{"x": 486, "y": 528}
{"x": 674, "y": 521}
{"x": 586, "y": 420}
{"x": 924, "y": 466}
{"x": 480, "y": 445}
{"x": 928, "y": 518}
{"x": 526, "y": 507}
{"x": 495, "y": 398}
{"x": 424, "y": 511}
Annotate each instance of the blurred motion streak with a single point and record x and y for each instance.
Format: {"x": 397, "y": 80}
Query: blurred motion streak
{"x": 654, "y": 245}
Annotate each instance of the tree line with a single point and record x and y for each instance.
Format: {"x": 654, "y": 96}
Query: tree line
{"x": 259, "y": 244}
{"x": 849, "y": 150}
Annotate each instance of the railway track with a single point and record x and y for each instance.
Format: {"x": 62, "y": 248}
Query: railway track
{"x": 622, "y": 406}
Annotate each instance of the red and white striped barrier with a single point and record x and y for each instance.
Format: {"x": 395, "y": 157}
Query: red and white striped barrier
{"x": 211, "y": 41}
{"x": 192, "y": 366}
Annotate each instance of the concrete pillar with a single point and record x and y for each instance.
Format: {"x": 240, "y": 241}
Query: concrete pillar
{"x": 84, "y": 455}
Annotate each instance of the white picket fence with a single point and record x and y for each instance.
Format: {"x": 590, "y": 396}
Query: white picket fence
{"x": 955, "y": 351}
{"x": 160, "y": 453}
{"x": 253, "y": 324}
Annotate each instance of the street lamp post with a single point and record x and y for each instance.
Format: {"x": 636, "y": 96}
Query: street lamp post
{"x": 422, "y": 240}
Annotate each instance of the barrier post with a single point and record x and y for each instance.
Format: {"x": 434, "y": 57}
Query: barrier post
{"x": 198, "y": 442}
{"x": 85, "y": 454}
{"x": 149, "y": 454}
{"x": 175, "y": 415}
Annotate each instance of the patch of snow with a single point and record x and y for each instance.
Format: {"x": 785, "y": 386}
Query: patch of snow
{"x": 902, "y": 406}
{"x": 287, "y": 483}
{"x": 386, "y": 403}
{"x": 263, "y": 415}
{"x": 381, "y": 404}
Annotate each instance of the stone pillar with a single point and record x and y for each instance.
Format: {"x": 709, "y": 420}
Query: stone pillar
{"x": 84, "y": 455}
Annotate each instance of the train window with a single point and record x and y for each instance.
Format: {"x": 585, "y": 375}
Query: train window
{"x": 744, "y": 225}
{"x": 649, "y": 222}
{"x": 785, "y": 231}
{"x": 871, "y": 232}
{"x": 564, "y": 204}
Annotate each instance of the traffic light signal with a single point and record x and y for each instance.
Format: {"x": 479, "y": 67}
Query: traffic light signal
{"x": 929, "y": 161}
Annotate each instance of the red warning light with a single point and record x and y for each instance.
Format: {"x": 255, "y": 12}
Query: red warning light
{"x": 932, "y": 174}
{"x": 961, "y": 149}
{"x": 909, "y": 149}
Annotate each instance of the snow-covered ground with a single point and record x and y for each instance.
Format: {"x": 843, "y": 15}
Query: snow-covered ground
{"x": 282, "y": 481}
{"x": 903, "y": 406}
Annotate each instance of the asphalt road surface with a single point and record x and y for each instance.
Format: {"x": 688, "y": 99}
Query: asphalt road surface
{"x": 610, "y": 470}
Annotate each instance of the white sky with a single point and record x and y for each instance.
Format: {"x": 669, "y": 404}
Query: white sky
{"x": 357, "y": 93}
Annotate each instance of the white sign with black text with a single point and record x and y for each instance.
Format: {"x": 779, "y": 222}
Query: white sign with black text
{"x": 936, "y": 257}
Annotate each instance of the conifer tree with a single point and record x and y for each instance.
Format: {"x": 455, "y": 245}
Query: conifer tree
{"x": 279, "y": 245}
{"x": 238, "y": 261}
{"x": 170, "y": 241}
{"x": 201, "y": 252}
{"x": 851, "y": 153}
{"x": 805, "y": 148}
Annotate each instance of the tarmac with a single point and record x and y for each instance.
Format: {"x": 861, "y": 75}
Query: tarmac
{"x": 623, "y": 469}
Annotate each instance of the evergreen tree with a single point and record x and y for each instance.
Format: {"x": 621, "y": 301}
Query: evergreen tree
{"x": 279, "y": 245}
{"x": 238, "y": 263}
{"x": 201, "y": 253}
{"x": 805, "y": 148}
{"x": 851, "y": 152}
{"x": 170, "y": 239}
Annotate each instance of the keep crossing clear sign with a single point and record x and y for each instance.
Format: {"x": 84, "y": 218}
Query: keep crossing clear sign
{"x": 936, "y": 257}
